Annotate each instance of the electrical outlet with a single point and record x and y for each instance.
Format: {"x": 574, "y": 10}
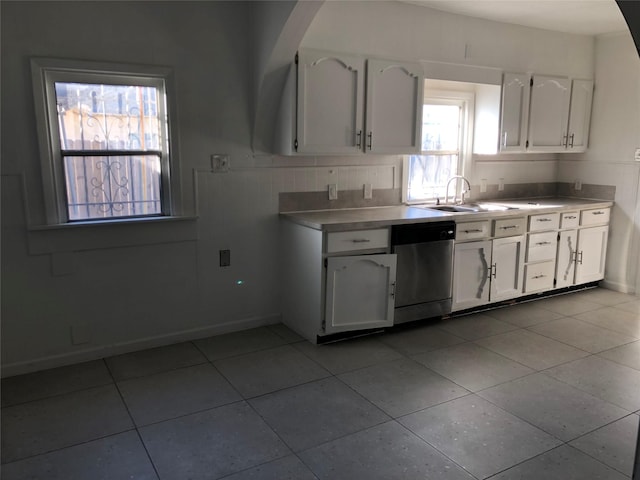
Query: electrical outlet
{"x": 500, "y": 184}
{"x": 578, "y": 185}
{"x": 483, "y": 185}
{"x": 220, "y": 163}
{"x": 368, "y": 191}
{"x": 225, "y": 258}
{"x": 333, "y": 191}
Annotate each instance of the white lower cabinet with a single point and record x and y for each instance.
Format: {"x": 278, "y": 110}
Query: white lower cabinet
{"x": 581, "y": 256}
{"x": 360, "y": 292}
{"x": 487, "y": 271}
{"x": 591, "y": 255}
{"x": 336, "y": 282}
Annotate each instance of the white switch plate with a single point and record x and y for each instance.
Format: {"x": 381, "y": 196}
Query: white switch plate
{"x": 368, "y": 191}
{"x": 578, "y": 185}
{"x": 501, "y": 184}
{"x": 483, "y": 185}
{"x": 637, "y": 155}
{"x": 333, "y": 191}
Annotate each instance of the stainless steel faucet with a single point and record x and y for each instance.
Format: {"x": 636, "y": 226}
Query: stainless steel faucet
{"x": 456, "y": 177}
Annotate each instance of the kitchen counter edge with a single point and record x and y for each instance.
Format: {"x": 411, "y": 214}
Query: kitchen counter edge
{"x": 379, "y": 217}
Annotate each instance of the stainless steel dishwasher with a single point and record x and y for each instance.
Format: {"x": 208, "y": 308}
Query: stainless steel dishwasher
{"x": 424, "y": 269}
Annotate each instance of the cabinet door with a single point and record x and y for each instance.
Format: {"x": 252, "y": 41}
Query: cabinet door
{"x": 592, "y": 251}
{"x": 515, "y": 112}
{"x": 566, "y": 260}
{"x": 395, "y": 93}
{"x": 471, "y": 274}
{"x": 580, "y": 115}
{"x": 330, "y": 103}
{"x": 360, "y": 292}
{"x": 548, "y": 114}
{"x": 507, "y": 268}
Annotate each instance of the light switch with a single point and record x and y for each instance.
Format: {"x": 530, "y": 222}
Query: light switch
{"x": 368, "y": 191}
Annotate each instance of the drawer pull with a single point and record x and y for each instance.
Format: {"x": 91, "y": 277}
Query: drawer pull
{"x": 507, "y": 227}
{"x": 535, "y": 277}
{"x": 361, "y": 240}
{"x": 599, "y": 212}
{"x": 475, "y": 230}
{"x": 570, "y": 217}
{"x": 543, "y": 219}
{"x": 543, "y": 243}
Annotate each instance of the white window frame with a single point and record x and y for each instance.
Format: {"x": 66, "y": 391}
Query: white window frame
{"x": 45, "y": 72}
{"x": 466, "y": 100}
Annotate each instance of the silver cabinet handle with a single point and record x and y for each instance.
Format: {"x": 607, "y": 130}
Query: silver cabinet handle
{"x": 360, "y": 240}
{"x": 571, "y": 143}
{"x": 370, "y": 136}
{"x": 504, "y": 139}
{"x": 565, "y": 140}
{"x": 508, "y": 227}
{"x": 599, "y": 212}
{"x": 393, "y": 290}
{"x": 475, "y": 230}
{"x": 359, "y": 139}
{"x": 570, "y": 217}
{"x": 579, "y": 258}
{"x": 543, "y": 243}
{"x": 538, "y": 276}
{"x": 543, "y": 219}
{"x": 493, "y": 270}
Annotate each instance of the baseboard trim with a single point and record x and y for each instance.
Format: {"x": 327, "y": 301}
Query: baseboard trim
{"x": 103, "y": 351}
{"x": 618, "y": 287}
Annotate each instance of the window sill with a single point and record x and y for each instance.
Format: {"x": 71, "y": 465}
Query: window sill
{"x": 77, "y": 236}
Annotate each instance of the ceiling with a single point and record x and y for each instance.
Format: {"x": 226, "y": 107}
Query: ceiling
{"x": 586, "y": 17}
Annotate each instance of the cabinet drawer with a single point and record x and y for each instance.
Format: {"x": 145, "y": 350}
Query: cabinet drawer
{"x": 472, "y": 230}
{"x": 547, "y": 221}
{"x": 542, "y": 246}
{"x": 508, "y": 227}
{"x": 357, "y": 240}
{"x": 569, "y": 219}
{"x": 539, "y": 277}
{"x": 597, "y": 216}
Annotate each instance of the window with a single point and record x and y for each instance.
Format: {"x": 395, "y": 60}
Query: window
{"x": 105, "y": 140}
{"x": 444, "y": 134}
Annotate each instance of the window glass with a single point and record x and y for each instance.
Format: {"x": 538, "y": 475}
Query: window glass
{"x": 441, "y": 151}
{"x": 103, "y": 120}
{"x": 107, "y": 117}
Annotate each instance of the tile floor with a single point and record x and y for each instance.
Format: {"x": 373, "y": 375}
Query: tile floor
{"x": 542, "y": 390}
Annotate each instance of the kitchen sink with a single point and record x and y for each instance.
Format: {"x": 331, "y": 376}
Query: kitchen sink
{"x": 470, "y": 207}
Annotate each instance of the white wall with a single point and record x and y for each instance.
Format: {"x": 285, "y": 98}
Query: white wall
{"x": 130, "y": 287}
{"x": 614, "y": 136}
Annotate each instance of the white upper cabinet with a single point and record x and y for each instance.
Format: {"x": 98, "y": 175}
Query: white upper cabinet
{"x": 548, "y": 113}
{"x": 322, "y": 110}
{"x": 394, "y": 107}
{"x": 580, "y": 115}
{"x": 330, "y": 101}
{"x": 542, "y": 113}
{"x": 515, "y": 112}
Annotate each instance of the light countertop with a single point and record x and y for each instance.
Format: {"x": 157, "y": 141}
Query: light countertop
{"x": 376, "y": 217}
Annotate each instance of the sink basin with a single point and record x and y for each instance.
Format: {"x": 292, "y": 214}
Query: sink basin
{"x": 453, "y": 208}
{"x": 470, "y": 207}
